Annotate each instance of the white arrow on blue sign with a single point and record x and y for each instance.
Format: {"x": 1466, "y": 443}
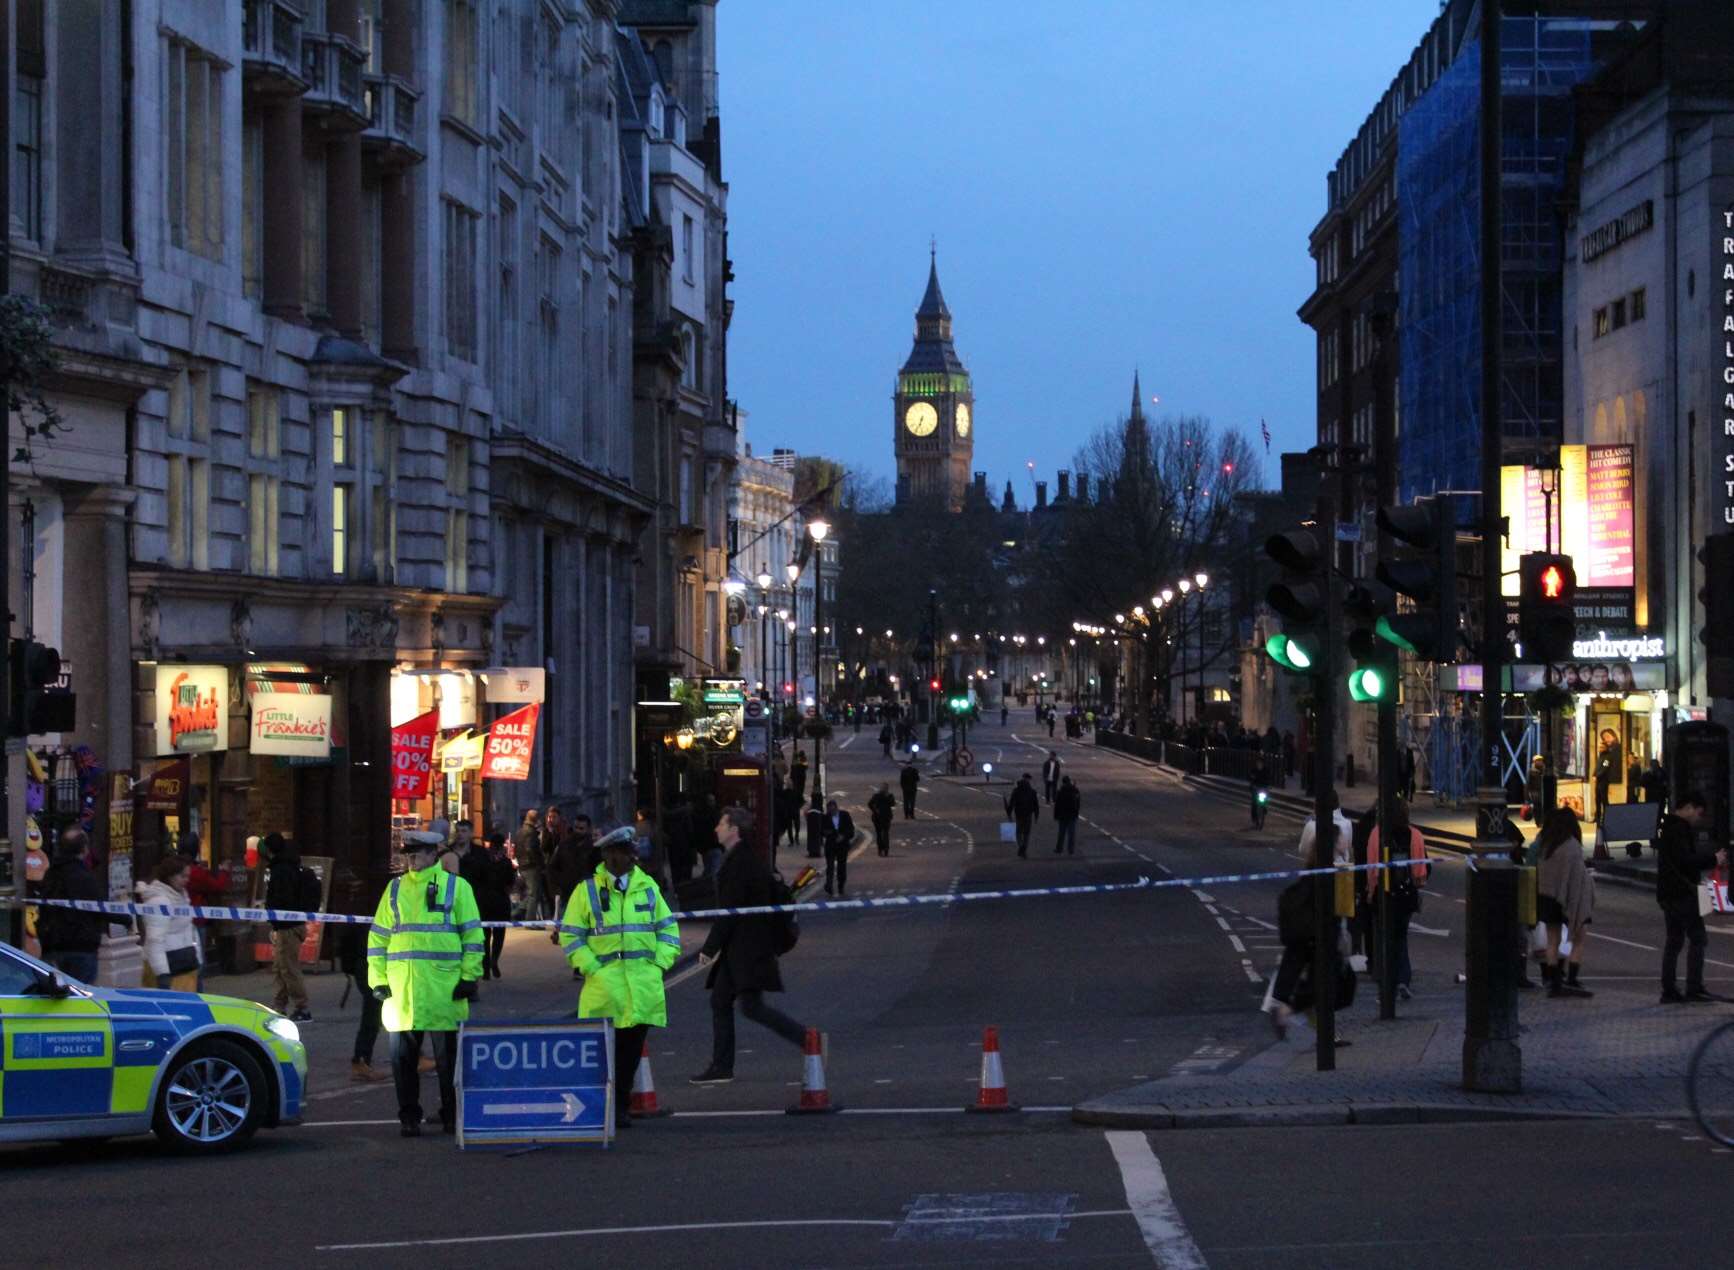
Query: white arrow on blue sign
{"x": 535, "y": 1082}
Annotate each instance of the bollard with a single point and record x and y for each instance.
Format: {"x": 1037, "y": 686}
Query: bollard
{"x": 1492, "y": 1058}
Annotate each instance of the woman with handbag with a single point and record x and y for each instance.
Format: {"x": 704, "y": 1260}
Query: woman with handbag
{"x": 1402, "y": 886}
{"x": 1565, "y": 899}
{"x": 171, "y": 944}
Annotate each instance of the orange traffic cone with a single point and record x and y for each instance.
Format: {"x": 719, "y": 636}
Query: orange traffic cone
{"x": 993, "y": 1095}
{"x": 815, "y": 1098}
{"x": 644, "y": 1105}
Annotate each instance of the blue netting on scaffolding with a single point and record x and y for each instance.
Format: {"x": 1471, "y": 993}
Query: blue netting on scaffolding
{"x": 1438, "y": 252}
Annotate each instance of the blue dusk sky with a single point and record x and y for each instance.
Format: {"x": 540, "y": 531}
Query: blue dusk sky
{"x": 1112, "y": 183}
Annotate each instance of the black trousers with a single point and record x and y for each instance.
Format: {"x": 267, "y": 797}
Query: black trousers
{"x": 1295, "y": 960}
{"x": 882, "y": 836}
{"x": 722, "y": 1017}
{"x": 628, "y": 1050}
{"x": 909, "y": 806}
{"x": 1684, "y": 928}
{"x": 837, "y": 864}
{"x": 493, "y": 940}
{"x": 1048, "y": 788}
{"x": 1068, "y": 839}
{"x": 405, "y": 1054}
{"x": 1024, "y": 827}
{"x": 367, "y": 1031}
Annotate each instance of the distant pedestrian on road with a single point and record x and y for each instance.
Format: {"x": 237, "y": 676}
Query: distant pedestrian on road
{"x": 909, "y": 778}
{"x": 1050, "y": 724}
{"x": 488, "y": 870}
{"x": 1655, "y": 782}
{"x": 1345, "y": 833}
{"x": 352, "y": 957}
{"x": 885, "y": 740}
{"x": 839, "y": 834}
{"x": 527, "y": 845}
{"x": 1050, "y": 775}
{"x": 1068, "y": 805}
{"x": 1565, "y": 899}
{"x": 1023, "y": 807}
{"x": 883, "y": 808}
{"x": 1260, "y": 784}
{"x": 1402, "y": 886}
{"x": 1004, "y": 712}
{"x": 287, "y": 888}
{"x": 798, "y": 775}
{"x": 1608, "y": 770}
{"x": 1680, "y": 863}
{"x": 742, "y": 951}
{"x": 70, "y": 939}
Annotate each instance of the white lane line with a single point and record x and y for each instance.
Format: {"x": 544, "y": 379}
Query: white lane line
{"x": 1233, "y": 939}
{"x": 672, "y": 1227}
{"x": 1223, "y": 922}
{"x": 1428, "y": 930}
{"x": 1159, "y": 1221}
{"x": 848, "y": 741}
{"x": 1612, "y": 939}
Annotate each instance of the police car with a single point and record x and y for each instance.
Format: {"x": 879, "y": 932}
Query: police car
{"x": 202, "y": 1072}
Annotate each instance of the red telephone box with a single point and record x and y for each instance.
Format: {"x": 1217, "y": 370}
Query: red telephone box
{"x": 744, "y": 780}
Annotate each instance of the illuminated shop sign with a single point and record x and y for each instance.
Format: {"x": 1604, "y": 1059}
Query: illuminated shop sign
{"x": 1634, "y": 648}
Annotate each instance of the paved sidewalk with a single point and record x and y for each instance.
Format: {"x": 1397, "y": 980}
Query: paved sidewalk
{"x": 1610, "y": 1056}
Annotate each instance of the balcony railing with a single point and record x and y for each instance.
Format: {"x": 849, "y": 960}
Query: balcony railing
{"x": 332, "y": 67}
{"x": 391, "y": 106}
{"x": 271, "y": 46}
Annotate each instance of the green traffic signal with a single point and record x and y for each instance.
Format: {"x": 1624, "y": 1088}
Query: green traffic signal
{"x": 1368, "y": 683}
{"x": 1289, "y": 653}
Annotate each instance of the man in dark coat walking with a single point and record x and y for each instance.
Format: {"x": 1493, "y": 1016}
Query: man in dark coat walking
{"x": 839, "y": 831}
{"x": 1050, "y": 776}
{"x": 1068, "y": 806}
{"x": 1024, "y": 807}
{"x": 741, "y": 951}
{"x": 1680, "y": 863}
{"x": 883, "y": 807}
{"x": 909, "y": 778}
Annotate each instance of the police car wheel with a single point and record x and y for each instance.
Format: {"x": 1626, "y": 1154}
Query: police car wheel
{"x": 212, "y": 1099}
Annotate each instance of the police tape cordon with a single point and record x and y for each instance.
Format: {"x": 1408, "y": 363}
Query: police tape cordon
{"x": 121, "y": 908}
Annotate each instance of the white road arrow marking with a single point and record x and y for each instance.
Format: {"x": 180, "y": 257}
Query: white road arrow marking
{"x": 569, "y": 1103}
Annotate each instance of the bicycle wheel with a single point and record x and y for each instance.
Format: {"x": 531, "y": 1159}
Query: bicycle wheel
{"x": 1710, "y": 1084}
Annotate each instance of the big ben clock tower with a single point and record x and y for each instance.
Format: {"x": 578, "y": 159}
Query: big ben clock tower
{"x": 933, "y": 416}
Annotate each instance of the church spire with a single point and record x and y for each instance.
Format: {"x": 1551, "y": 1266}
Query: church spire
{"x": 933, "y": 303}
{"x": 1137, "y": 397}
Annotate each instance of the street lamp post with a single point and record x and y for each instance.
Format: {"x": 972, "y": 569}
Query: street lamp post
{"x": 818, "y": 529}
{"x": 764, "y": 580}
{"x": 1200, "y": 580}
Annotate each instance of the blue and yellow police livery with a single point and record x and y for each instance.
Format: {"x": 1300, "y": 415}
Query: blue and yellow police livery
{"x": 202, "y": 1072}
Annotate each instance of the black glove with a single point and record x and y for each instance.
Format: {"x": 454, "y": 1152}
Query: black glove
{"x": 465, "y": 990}
{"x": 382, "y": 993}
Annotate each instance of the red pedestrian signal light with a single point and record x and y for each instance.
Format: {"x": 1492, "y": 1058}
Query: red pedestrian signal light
{"x": 1552, "y": 582}
{"x": 1546, "y": 609}
{"x": 933, "y": 685}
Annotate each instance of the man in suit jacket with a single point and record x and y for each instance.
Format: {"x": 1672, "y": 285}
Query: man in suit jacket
{"x": 741, "y": 951}
{"x": 839, "y": 838}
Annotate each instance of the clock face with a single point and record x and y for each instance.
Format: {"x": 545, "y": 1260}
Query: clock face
{"x": 962, "y": 419}
{"x": 921, "y": 419}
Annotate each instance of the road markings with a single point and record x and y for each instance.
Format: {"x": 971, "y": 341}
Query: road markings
{"x": 1159, "y": 1220}
{"x": 1238, "y": 946}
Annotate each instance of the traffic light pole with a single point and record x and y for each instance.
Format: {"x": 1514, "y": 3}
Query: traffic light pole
{"x": 1385, "y": 481}
{"x": 932, "y": 674}
{"x": 1492, "y": 1058}
{"x": 1324, "y": 777}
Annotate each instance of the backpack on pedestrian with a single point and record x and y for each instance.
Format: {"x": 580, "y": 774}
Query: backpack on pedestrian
{"x": 310, "y": 891}
{"x": 785, "y": 928}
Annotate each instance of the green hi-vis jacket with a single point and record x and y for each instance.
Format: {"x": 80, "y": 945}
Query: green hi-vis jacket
{"x": 621, "y": 944}
{"x": 421, "y": 950}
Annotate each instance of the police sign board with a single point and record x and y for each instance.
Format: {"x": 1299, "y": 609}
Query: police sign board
{"x": 544, "y": 1082}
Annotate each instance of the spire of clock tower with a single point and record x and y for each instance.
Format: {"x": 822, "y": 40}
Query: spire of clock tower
{"x": 1137, "y": 396}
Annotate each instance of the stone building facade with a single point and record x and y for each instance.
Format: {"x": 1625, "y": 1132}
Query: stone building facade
{"x": 347, "y": 363}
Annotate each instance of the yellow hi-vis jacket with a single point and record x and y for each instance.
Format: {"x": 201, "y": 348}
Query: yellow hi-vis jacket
{"x": 621, "y": 944}
{"x": 421, "y": 950}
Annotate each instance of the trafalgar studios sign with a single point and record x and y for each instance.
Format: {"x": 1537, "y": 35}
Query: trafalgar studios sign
{"x": 192, "y": 713}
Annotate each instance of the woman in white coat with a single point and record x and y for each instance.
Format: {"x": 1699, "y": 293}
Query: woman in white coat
{"x": 171, "y": 944}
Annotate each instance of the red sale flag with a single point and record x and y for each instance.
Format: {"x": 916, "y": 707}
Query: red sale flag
{"x": 412, "y": 746}
{"x": 506, "y": 757}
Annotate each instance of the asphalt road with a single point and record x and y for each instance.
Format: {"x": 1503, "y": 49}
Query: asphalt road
{"x": 1089, "y": 993}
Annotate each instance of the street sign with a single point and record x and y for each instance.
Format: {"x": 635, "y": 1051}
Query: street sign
{"x": 524, "y": 1083}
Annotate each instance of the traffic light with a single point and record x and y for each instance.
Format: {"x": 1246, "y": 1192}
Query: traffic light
{"x": 933, "y": 684}
{"x": 1299, "y": 599}
{"x": 1717, "y": 597}
{"x": 1375, "y": 678}
{"x": 38, "y": 705}
{"x": 1429, "y": 578}
{"x": 1546, "y": 613}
